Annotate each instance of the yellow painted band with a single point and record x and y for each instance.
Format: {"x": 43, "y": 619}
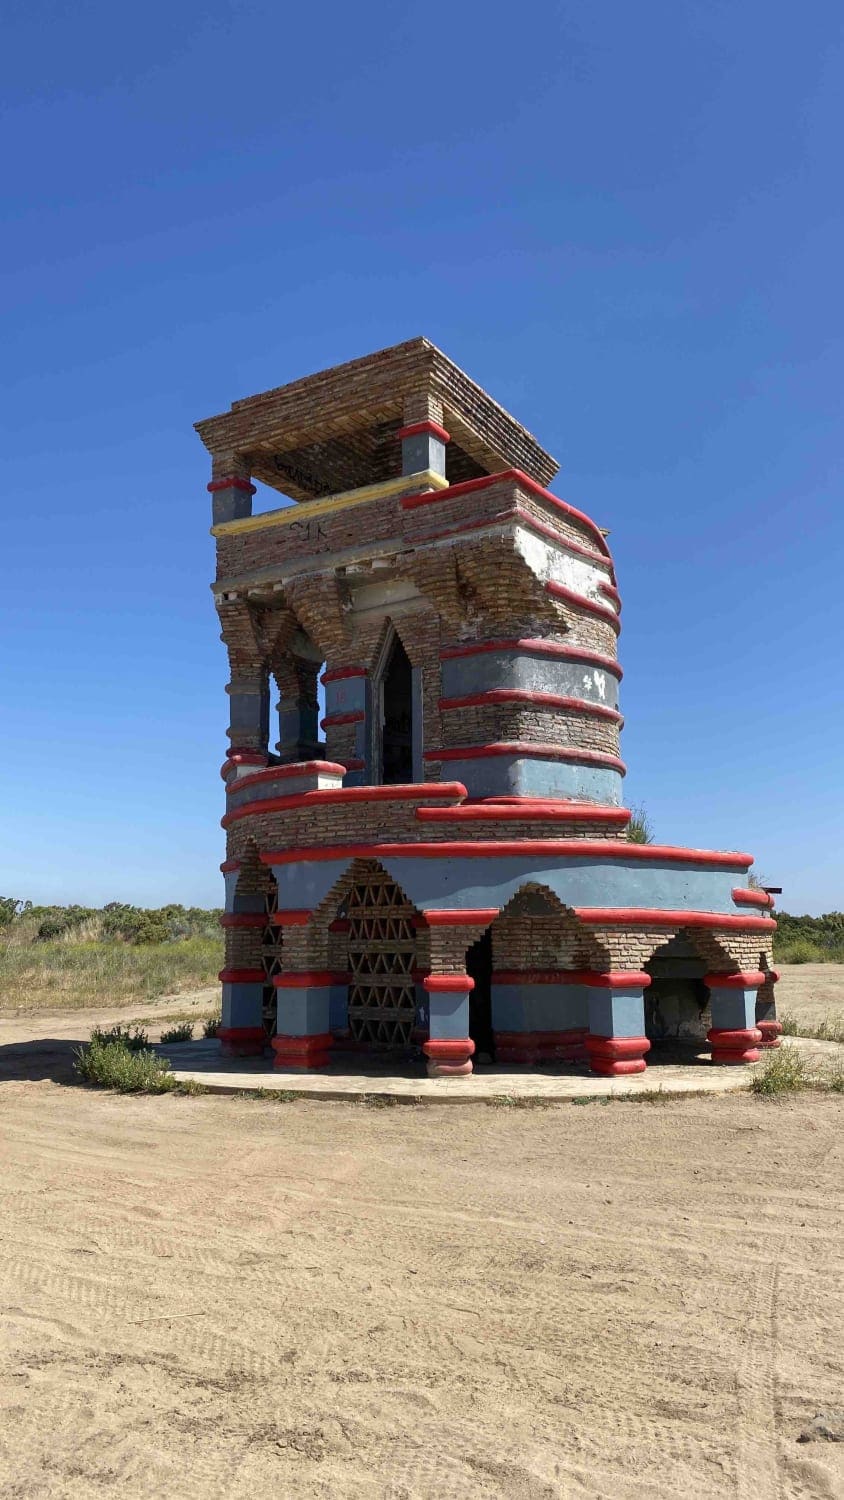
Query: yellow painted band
{"x": 344, "y": 501}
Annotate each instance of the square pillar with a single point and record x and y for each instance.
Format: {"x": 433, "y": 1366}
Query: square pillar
{"x": 616, "y": 1044}
{"x": 241, "y": 1030}
{"x": 766, "y": 1012}
{"x": 303, "y": 1035}
{"x": 423, "y": 447}
{"x": 734, "y": 1035}
{"x": 449, "y": 1046}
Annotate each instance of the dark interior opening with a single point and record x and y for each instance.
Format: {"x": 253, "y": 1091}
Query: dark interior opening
{"x": 397, "y": 732}
{"x": 479, "y": 968}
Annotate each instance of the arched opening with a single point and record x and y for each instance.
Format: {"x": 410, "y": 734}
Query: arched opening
{"x": 676, "y": 1000}
{"x": 396, "y": 749}
{"x": 479, "y": 968}
{"x": 382, "y": 960}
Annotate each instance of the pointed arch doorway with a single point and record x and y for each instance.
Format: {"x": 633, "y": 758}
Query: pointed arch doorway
{"x": 382, "y": 961}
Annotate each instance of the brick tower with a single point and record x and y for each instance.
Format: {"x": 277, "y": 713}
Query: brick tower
{"x": 449, "y": 868}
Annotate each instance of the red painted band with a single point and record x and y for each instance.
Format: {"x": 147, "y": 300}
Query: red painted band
{"x": 293, "y": 769}
{"x": 611, "y": 591}
{"x": 626, "y": 917}
{"x": 527, "y": 749}
{"x": 734, "y": 1038}
{"x": 447, "y": 1048}
{"x": 529, "y": 976}
{"x": 434, "y": 428}
{"x": 612, "y": 1047}
{"x": 340, "y": 924}
{"x": 540, "y": 700}
{"x": 454, "y": 918}
{"x": 240, "y": 1034}
{"x": 752, "y": 898}
{"x": 331, "y": 720}
{"x": 291, "y": 918}
{"x": 229, "y": 864}
{"x": 243, "y": 919}
{"x": 745, "y": 981}
{"x": 524, "y": 810}
{"x": 580, "y": 601}
{"x": 534, "y": 646}
{"x": 517, "y": 476}
{"x": 309, "y": 979}
{"x": 622, "y": 980}
{"x": 338, "y": 674}
{"x": 241, "y": 976}
{"x": 302, "y": 1050}
{"x": 355, "y": 765}
{"x": 445, "y": 984}
{"x": 547, "y": 848}
{"x": 347, "y": 796}
{"x": 231, "y": 483}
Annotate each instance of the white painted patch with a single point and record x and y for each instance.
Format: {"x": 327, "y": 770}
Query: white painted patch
{"x": 551, "y": 563}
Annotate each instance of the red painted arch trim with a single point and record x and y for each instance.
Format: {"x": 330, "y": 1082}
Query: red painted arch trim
{"x": 291, "y": 918}
{"x": 338, "y": 674}
{"x": 331, "y": 720}
{"x": 288, "y": 772}
{"x": 231, "y": 482}
{"x": 580, "y": 601}
{"x": 412, "y": 502}
{"x": 350, "y": 796}
{"x": 241, "y": 976}
{"x": 525, "y": 749}
{"x": 434, "y": 428}
{"x": 524, "y": 810}
{"x": 540, "y": 700}
{"x": 535, "y": 646}
{"x": 543, "y": 848}
{"x": 443, "y": 984}
{"x": 742, "y": 981}
{"x": 641, "y": 917}
{"x": 243, "y": 919}
{"x": 471, "y": 917}
{"x": 309, "y": 979}
{"x": 752, "y": 898}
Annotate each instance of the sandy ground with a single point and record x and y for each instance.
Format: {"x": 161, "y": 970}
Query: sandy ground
{"x": 811, "y": 991}
{"x": 240, "y": 1297}
{"x": 234, "y": 1297}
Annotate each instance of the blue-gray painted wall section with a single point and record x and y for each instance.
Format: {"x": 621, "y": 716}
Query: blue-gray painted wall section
{"x": 539, "y": 1007}
{"x": 345, "y": 695}
{"x": 338, "y": 1007}
{"x": 422, "y": 451}
{"x": 520, "y": 776}
{"x": 464, "y": 675}
{"x": 461, "y": 883}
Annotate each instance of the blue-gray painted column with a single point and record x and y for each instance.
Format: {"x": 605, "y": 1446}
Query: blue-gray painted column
{"x": 449, "y": 1047}
{"x": 734, "y": 1035}
{"x": 303, "y": 1025}
{"x": 616, "y": 1044}
{"x": 423, "y": 447}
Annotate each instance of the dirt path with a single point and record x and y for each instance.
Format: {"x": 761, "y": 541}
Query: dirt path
{"x": 240, "y": 1298}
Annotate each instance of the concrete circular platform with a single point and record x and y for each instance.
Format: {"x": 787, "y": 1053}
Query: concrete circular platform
{"x": 203, "y": 1063}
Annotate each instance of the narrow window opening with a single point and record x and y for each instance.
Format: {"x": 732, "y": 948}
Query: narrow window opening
{"x": 397, "y": 718}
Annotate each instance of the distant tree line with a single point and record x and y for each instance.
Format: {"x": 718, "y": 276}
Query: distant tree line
{"x": 116, "y": 922}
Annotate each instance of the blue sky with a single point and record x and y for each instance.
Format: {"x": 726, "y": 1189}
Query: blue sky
{"x": 624, "y": 220}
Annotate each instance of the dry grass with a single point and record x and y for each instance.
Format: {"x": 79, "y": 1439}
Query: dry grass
{"x": 73, "y": 973}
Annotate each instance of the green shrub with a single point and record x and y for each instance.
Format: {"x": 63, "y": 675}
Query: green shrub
{"x": 784, "y": 1071}
{"x": 10, "y": 908}
{"x": 210, "y": 1025}
{"x": 639, "y": 830}
{"x": 181, "y": 1033}
{"x": 801, "y": 951}
{"x": 113, "y": 1065}
{"x": 133, "y": 1038}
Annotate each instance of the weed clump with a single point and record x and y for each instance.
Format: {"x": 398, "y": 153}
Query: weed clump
{"x": 181, "y": 1033}
{"x": 133, "y": 1038}
{"x": 210, "y": 1025}
{"x": 113, "y": 1064}
{"x": 784, "y": 1072}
